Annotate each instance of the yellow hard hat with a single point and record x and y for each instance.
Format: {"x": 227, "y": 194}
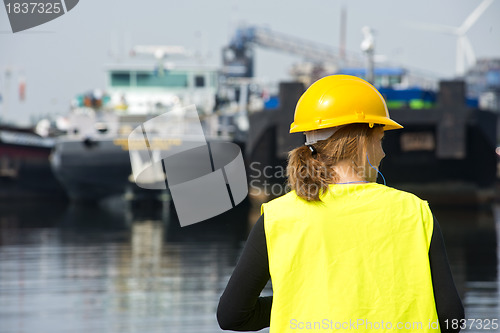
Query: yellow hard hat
{"x": 337, "y": 100}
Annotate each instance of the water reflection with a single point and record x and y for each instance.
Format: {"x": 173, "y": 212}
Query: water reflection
{"x": 131, "y": 268}
{"x": 113, "y": 268}
{"x": 471, "y": 237}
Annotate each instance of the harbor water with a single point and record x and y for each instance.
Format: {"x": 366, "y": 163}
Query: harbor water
{"x": 119, "y": 267}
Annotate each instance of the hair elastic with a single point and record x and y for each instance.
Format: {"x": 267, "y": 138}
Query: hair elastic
{"x": 313, "y": 150}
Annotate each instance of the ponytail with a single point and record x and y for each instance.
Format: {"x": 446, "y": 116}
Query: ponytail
{"x": 309, "y": 174}
{"x": 311, "y": 171}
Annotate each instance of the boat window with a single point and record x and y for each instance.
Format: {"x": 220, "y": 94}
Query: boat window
{"x": 199, "y": 81}
{"x": 120, "y": 79}
{"x": 396, "y": 79}
{"x": 168, "y": 79}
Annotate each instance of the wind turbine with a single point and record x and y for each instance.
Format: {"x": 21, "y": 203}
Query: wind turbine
{"x": 465, "y": 53}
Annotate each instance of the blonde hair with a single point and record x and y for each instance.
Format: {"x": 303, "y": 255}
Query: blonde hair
{"x": 310, "y": 175}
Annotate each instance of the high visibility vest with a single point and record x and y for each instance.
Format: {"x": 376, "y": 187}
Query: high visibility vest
{"x": 355, "y": 261}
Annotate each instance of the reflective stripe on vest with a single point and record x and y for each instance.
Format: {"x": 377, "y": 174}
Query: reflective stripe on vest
{"x": 356, "y": 261}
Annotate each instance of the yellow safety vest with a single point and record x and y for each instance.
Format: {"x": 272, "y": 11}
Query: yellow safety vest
{"x": 356, "y": 261}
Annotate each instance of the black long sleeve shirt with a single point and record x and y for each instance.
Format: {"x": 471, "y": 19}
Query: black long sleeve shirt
{"x": 241, "y": 309}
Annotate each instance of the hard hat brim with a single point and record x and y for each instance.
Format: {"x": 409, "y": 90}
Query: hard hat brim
{"x": 388, "y": 124}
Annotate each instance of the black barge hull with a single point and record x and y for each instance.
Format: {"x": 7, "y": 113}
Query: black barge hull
{"x": 444, "y": 148}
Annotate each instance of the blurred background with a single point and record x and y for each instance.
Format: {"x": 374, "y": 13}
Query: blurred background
{"x": 82, "y": 247}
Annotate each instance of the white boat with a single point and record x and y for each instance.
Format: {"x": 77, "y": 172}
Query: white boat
{"x": 92, "y": 160}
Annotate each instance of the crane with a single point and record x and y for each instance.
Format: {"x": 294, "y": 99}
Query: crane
{"x": 238, "y": 55}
